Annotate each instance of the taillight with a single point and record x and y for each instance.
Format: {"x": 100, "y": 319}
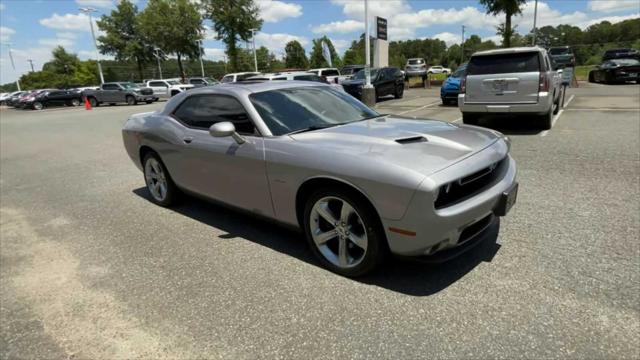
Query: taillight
{"x": 544, "y": 82}
{"x": 463, "y": 85}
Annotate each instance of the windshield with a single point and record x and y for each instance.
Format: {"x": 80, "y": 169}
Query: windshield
{"x": 559, "y": 51}
{"x": 360, "y": 74}
{"x": 625, "y": 62}
{"x": 416, "y": 61}
{"x": 459, "y": 71}
{"x": 129, "y": 85}
{"x": 293, "y": 109}
{"x": 503, "y": 63}
{"x": 349, "y": 71}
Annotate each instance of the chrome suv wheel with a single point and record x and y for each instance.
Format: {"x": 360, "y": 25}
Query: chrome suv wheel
{"x": 159, "y": 183}
{"x": 344, "y": 232}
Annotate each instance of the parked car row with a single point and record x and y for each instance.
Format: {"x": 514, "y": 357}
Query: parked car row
{"x": 41, "y": 98}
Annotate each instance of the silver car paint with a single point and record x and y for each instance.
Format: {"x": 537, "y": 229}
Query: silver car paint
{"x": 264, "y": 174}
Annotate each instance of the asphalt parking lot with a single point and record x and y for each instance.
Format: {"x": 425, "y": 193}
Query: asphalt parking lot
{"x": 90, "y": 268}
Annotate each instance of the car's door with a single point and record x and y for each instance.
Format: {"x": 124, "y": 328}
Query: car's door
{"x": 220, "y": 168}
{"x": 109, "y": 93}
{"x": 52, "y": 98}
{"x": 386, "y": 82}
{"x": 160, "y": 88}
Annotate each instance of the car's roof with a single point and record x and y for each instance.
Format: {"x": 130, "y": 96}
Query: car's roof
{"x": 509, "y": 50}
{"x": 242, "y": 73}
{"x": 328, "y": 68}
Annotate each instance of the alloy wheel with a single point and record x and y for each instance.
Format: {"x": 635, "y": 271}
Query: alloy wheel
{"x": 156, "y": 179}
{"x": 338, "y": 232}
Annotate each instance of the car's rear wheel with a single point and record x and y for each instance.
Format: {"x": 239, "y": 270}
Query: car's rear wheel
{"x": 470, "y": 119}
{"x": 344, "y": 232}
{"x": 131, "y": 100}
{"x": 38, "y": 105}
{"x": 592, "y": 78}
{"x": 159, "y": 183}
{"x": 556, "y": 104}
{"x": 75, "y": 102}
{"x": 399, "y": 92}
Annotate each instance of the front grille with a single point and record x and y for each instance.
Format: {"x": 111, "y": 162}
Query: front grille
{"x": 470, "y": 185}
{"x": 146, "y": 91}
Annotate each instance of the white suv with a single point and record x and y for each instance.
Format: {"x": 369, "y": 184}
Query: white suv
{"x": 296, "y": 75}
{"x": 331, "y": 74}
{"x": 438, "y": 69}
{"x": 233, "y": 77}
{"x": 507, "y": 81}
{"x": 167, "y": 88}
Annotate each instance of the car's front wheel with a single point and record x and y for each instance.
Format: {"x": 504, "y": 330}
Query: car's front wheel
{"x": 75, "y": 102}
{"x": 162, "y": 189}
{"x": 131, "y": 100}
{"x": 344, "y": 232}
{"x": 38, "y": 105}
{"x": 399, "y": 92}
{"x": 546, "y": 120}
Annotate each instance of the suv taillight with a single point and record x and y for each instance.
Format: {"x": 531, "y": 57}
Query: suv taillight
{"x": 543, "y": 83}
{"x": 463, "y": 85}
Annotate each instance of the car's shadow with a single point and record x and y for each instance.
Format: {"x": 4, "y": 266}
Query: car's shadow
{"x": 512, "y": 125}
{"x": 404, "y": 276}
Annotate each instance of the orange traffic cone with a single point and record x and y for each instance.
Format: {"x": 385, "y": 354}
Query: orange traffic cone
{"x": 87, "y": 104}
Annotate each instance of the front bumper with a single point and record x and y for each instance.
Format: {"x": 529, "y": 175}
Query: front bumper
{"x": 542, "y": 106}
{"x": 140, "y": 97}
{"x": 437, "y": 230}
{"x": 449, "y": 94}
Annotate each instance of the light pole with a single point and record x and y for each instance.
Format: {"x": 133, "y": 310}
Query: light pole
{"x": 13, "y": 65}
{"x": 88, "y": 11}
{"x": 201, "y": 64}
{"x": 535, "y": 17}
{"x": 462, "y": 46}
{"x": 31, "y": 63}
{"x": 255, "y": 57}
{"x": 368, "y": 91}
{"x": 156, "y": 52}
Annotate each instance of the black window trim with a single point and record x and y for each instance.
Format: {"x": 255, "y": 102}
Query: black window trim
{"x": 176, "y": 118}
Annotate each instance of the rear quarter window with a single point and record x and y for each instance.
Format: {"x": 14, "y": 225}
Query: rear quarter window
{"x": 504, "y": 63}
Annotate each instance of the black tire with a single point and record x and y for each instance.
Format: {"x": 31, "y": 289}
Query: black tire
{"x": 399, "y": 92}
{"x": 172, "y": 192}
{"x": 38, "y": 105}
{"x": 470, "y": 119}
{"x": 131, "y": 100}
{"x": 112, "y": 104}
{"x": 75, "y": 102}
{"x": 556, "y": 104}
{"x": 592, "y": 78}
{"x": 377, "y": 248}
{"x": 149, "y": 101}
{"x": 546, "y": 121}
{"x": 93, "y": 102}
{"x": 174, "y": 93}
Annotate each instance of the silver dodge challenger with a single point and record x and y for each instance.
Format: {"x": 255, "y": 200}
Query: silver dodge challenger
{"x": 359, "y": 184}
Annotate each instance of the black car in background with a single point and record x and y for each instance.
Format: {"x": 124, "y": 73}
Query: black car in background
{"x": 350, "y": 70}
{"x": 48, "y": 98}
{"x": 386, "y": 81}
{"x": 620, "y": 54}
{"x": 616, "y": 71}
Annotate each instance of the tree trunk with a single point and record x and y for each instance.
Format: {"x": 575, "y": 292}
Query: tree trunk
{"x": 180, "y": 67}
{"x": 140, "y": 72}
{"x": 507, "y": 32}
{"x": 232, "y": 52}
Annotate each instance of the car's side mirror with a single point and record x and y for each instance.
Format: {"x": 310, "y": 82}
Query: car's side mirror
{"x": 224, "y": 129}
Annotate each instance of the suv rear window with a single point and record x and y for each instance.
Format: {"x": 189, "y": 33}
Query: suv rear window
{"x": 504, "y": 63}
{"x": 416, "y": 61}
{"x": 559, "y": 51}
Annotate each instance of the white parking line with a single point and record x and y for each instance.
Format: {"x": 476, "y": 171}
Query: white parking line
{"x": 420, "y": 108}
{"x": 457, "y": 120}
{"x": 602, "y": 109}
{"x": 555, "y": 118}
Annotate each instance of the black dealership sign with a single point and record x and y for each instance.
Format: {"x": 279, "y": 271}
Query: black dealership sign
{"x": 381, "y": 26}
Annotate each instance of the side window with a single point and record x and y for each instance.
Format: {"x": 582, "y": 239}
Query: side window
{"x": 279, "y": 78}
{"x": 56, "y": 93}
{"x": 205, "y": 110}
{"x": 330, "y": 72}
{"x": 157, "y": 84}
{"x": 110, "y": 87}
{"x": 196, "y": 81}
{"x": 227, "y": 78}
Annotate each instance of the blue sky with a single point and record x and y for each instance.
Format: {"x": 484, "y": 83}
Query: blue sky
{"x": 34, "y": 27}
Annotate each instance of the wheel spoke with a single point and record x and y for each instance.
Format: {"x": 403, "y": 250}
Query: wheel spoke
{"x": 156, "y": 168}
{"x": 346, "y": 211}
{"x": 322, "y": 238}
{"x": 323, "y": 210}
{"x": 360, "y": 241}
{"x": 342, "y": 252}
{"x": 163, "y": 189}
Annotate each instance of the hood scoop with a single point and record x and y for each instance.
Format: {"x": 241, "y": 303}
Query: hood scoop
{"x": 411, "y": 140}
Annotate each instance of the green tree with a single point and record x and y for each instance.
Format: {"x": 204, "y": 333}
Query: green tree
{"x": 509, "y": 8}
{"x": 317, "y": 59}
{"x": 175, "y": 26}
{"x": 295, "y": 57}
{"x": 233, "y": 21}
{"x": 123, "y": 37}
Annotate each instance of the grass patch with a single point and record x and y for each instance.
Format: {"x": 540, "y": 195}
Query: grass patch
{"x": 582, "y": 72}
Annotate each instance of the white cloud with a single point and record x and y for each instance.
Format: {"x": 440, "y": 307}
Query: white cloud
{"x": 5, "y": 33}
{"x": 209, "y": 33}
{"x": 340, "y": 45}
{"x": 214, "y": 54}
{"x": 274, "y": 10}
{"x": 66, "y": 43}
{"x": 345, "y": 26}
{"x": 96, "y": 3}
{"x": 2, "y": 7}
{"x": 609, "y": 6}
{"x": 497, "y": 39}
{"x": 277, "y": 42}
{"x": 611, "y": 19}
{"x": 67, "y": 22}
{"x": 91, "y": 54}
{"x": 448, "y": 38}
{"x": 66, "y": 35}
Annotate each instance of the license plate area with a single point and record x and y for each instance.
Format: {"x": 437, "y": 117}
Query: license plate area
{"x": 499, "y": 86}
{"x": 507, "y": 200}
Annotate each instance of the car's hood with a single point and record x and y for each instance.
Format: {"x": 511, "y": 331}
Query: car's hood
{"x": 353, "y": 82}
{"x": 425, "y": 146}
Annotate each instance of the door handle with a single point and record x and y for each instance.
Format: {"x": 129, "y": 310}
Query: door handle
{"x": 187, "y": 140}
